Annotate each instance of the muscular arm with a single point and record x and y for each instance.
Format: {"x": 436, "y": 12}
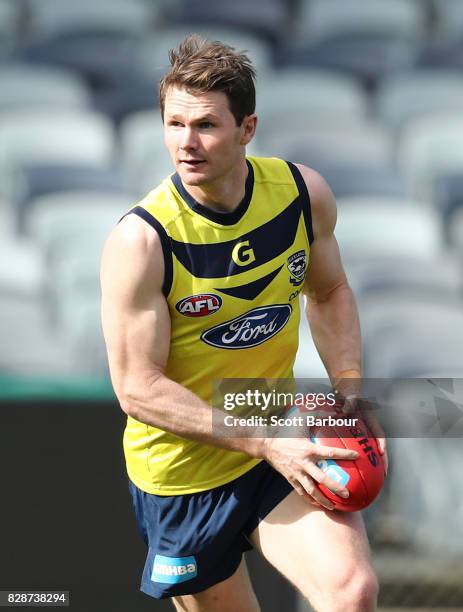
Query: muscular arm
{"x": 330, "y": 304}
{"x": 331, "y": 308}
{"x": 136, "y": 326}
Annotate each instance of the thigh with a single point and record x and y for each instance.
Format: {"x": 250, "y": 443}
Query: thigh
{"x": 232, "y": 595}
{"x": 315, "y": 549}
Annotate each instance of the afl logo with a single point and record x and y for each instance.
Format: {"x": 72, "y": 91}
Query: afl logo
{"x": 199, "y": 305}
{"x": 297, "y": 266}
{"x": 250, "y": 329}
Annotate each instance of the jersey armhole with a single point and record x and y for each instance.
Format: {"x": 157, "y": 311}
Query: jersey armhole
{"x": 304, "y": 199}
{"x": 165, "y": 244}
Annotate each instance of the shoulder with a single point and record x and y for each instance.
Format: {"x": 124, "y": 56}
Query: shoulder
{"x": 133, "y": 235}
{"x": 133, "y": 250}
{"x": 322, "y": 201}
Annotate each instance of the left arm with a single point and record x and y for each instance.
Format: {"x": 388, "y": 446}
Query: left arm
{"x": 331, "y": 308}
{"x": 330, "y": 304}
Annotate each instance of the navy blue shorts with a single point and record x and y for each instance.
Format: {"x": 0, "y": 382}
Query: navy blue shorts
{"x": 197, "y": 540}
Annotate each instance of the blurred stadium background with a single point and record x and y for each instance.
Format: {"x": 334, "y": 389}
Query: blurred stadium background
{"x": 368, "y": 92}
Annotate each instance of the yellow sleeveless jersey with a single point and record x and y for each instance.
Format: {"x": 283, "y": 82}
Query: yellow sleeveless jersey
{"x": 231, "y": 283}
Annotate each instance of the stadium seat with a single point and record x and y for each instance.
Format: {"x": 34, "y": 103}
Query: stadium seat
{"x": 128, "y": 96}
{"x": 7, "y": 224}
{"x": 85, "y": 216}
{"x": 292, "y": 99}
{"x": 156, "y": 167}
{"x": 368, "y": 58}
{"x": 406, "y": 337}
{"x": 407, "y": 96}
{"x": 29, "y": 346}
{"x": 325, "y": 19}
{"x": 21, "y": 267}
{"x": 51, "y": 137}
{"x": 25, "y": 86}
{"x": 330, "y": 140}
{"x": 407, "y": 276}
{"x": 266, "y": 18}
{"x": 419, "y": 513}
{"x": 142, "y": 153}
{"x": 55, "y": 16}
{"x": 32, "y": 182}
{"x": 81, "y": 326}
{"x": 448, "y": 198}
{"x": 152, "y": 51}
{"x": 430, "y": 147}
{"x": 354, "y": 180}
{"x": 103, "y": 57}
{"x": 373, "y": 226}
{"x": 442, "y": 55}
{"x": 455, "y": 230}
{"x": 449, "y": 19}
{"x": 10, "y": 11}
{"x": 75, "y": 301}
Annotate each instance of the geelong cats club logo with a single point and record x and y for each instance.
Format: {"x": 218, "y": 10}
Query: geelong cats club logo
{"x": 297, "y": 266}
{"x": 249, "y": 329}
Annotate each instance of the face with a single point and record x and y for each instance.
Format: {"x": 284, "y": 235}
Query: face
{"x": 202, "y": 137}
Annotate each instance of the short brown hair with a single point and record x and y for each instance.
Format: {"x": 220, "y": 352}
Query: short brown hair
{"x": 202, "y": 65}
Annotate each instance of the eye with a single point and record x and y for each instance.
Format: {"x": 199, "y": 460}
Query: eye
{"x": 175, "y": 123}
{"x": 204, "y": 125}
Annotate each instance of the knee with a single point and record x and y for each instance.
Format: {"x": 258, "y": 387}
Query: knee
{"x": 354, "y": 590}
{"x": 358, "y": 592}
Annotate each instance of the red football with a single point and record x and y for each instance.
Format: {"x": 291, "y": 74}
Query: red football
{"x": 364, "y": 476}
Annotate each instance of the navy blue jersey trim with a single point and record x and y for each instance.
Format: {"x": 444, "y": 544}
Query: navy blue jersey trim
{"x": 224, "y": 218}
{"x": 268, "y": 241}
{"x": 304, "y": 199}
{"x": 251, "y": 290}
{"x": 165, "y": 243}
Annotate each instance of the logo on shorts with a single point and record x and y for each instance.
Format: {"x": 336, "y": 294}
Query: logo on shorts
{"x": 250, "y": 329}
{"x": 199, "y": 305}
{"x": 171, "y": 570}
{"x": 297, "y": 266}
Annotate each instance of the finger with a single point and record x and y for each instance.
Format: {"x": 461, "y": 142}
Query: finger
{"x": 310, "y": 500}
{"x": 386, "y": 462}
{"x": 297, "y": 487}
{"x": 331, "y": 452}
{"x": 350, "y": 404}
{"x": 313, "y": 491}
{"x": 381, "y": 445}
{"x": 322, "y": 478}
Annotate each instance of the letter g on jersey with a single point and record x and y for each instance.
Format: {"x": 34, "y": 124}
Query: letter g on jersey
{"x": 242, "y": 254}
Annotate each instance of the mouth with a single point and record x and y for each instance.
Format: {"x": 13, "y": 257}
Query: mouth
{"x": 192, "y": 163}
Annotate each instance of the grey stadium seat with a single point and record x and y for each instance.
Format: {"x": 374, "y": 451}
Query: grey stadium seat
{"x": 23, "y": 86}
{"x": 406, "y": 96}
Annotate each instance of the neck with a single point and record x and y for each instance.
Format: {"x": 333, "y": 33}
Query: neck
{"x": 224, "y": 194}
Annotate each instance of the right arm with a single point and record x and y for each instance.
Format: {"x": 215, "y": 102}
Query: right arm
{"x": 136, "y": 326}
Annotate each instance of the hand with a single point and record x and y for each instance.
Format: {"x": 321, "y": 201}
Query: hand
{"x": 352, "y": 403}
{"x": 296, "y": 459}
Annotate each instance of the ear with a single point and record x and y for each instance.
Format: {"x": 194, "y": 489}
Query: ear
{"x": 248, "y": 129}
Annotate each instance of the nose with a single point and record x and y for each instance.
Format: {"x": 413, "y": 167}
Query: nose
{"x": 189, "y": 140}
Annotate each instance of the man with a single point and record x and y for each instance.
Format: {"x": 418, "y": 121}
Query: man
{"x": 200, "y": 282}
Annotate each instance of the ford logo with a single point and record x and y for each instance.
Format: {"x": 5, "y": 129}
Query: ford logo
{"x": 249, "y": 329}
